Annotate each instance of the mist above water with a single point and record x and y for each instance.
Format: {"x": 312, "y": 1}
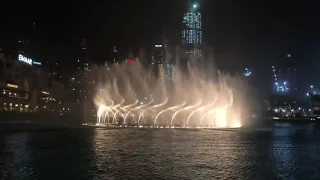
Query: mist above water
{"x": 131, "y": 94}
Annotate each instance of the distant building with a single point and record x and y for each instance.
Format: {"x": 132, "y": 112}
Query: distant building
{"x": 84, "y": 61}
{"x": 80, "y": 81}
{"x": 192, "y": 33}
{"x": 54, "y": 67}
{"x": 161, "y": 61}
{"x": 26, "y": 86}
{"x": 315, "y": 105}
{"x": 284, "y": 76}
{"x": 158, "y": 55}
{"x": 284, "y": 106}
{"x": 157, "y": 59}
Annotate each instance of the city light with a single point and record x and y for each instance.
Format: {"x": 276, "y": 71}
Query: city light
{"x": 27, "y": 60}
{"x": 24, "y": 59}
{"x": 247, "y": 72}
{"x": 45, "y": 92}
{"x": 132, "y": 61}
{"x": 195, "y": 6}
{"x": 36, "y": 63}
{"x": 12, "y": 85}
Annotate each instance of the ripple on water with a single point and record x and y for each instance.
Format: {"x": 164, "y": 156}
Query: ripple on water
{"x": 161, "y": 154}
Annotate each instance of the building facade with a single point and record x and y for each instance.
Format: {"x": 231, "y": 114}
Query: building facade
{"x": 192, "y": 33}
{"x": 26, "y": 86}
{"x": 285, "y": 77}
{"x": 79, "y": 79}
{"x": 161, "y": 61}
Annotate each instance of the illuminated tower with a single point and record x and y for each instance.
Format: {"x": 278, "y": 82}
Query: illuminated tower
{"x": 284, "y": 76}
{"x": 83, "y": 58}
{"x": 192, "y": 33}
{"x": 158, "y": 58}
{"x": 281, "y": 84}
{"x": 80, "y": 81}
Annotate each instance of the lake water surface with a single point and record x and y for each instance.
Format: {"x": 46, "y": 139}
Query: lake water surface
{"x": 280, "y": 152}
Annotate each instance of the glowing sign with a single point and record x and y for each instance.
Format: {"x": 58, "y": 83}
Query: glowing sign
{"x": 45, "y": 92}
{"x": 158, "y": 45}
{"x": 25, "y": 59}
{"x": 36, "y": 63}
{"x": 12, "y": 85}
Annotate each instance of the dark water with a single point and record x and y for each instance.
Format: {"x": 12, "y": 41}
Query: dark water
{"x": 282, "y": 152}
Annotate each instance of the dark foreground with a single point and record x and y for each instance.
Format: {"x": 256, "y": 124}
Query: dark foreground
{"x": 282, "y": 151}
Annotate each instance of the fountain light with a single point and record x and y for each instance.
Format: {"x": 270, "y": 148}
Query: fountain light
{"x": 131, "y": 95}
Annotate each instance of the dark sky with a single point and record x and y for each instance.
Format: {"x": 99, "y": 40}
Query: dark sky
{"x": 244, "y": 33}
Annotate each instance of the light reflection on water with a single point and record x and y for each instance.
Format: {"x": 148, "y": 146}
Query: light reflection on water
{"x": 17, "y": 157}
{"x": 93, "y": 153}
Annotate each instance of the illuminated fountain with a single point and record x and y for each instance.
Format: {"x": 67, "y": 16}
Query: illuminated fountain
{"x": 130, "y": 95}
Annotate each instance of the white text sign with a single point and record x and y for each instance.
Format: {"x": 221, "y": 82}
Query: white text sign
{"x": 25, "y": 59}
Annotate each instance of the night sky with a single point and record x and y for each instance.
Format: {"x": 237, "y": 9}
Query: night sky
{"x": 255, "y": 34}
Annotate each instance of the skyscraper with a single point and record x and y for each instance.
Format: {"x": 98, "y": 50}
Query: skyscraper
{"x": 83, "y": 58}
{"x": 192, "y": 33}
{"x": 158, "y": 58}
{"x": 161, "y": 60}
{"x": 80, "y": 81}
{"x": 284, "y": 76}
{"x": 281, "y": 84}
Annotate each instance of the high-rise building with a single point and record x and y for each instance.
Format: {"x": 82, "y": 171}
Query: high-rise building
{"x": 192, "y": 33}
{"x": 80, "y": 81}
{"x": 53, "y": 66}
{"x": 83, "y": 58}
{"x": 284, "y": 76}
{"x": 281, "y": 84}
{"x": 161, "y": 61}
{"x": 158, "y": 58}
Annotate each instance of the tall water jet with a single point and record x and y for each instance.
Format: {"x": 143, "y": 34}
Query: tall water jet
{"x": 131, "y": 94}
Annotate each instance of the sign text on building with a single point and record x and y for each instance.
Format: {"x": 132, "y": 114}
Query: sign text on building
{"x": 27, "y": 60}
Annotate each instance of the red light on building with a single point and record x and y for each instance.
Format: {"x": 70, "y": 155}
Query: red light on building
{"x": 132, "y": 61}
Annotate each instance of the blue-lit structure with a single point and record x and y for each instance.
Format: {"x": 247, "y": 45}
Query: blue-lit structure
{"x": 192, "y": 33}
{"x": 312, "y": 91}
{"x": 281, "y": 85}
{"x": 247, "y": 72}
